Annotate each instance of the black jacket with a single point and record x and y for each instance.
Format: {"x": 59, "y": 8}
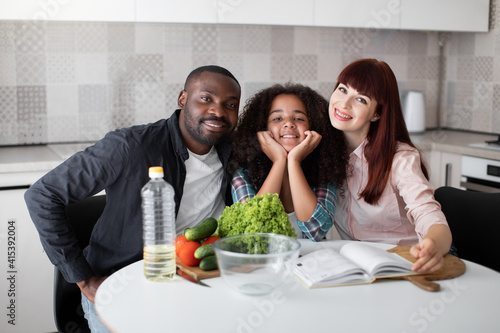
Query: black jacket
{"x": 118, "y": 164}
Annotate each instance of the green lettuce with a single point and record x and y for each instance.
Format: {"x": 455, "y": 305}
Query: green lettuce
{"x": 263, "y": 213}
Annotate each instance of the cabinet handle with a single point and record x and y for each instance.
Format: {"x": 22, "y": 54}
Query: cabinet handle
{"x": 447, "y": 174}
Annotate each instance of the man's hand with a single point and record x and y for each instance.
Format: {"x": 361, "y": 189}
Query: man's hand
{"x": 89, "y": 286}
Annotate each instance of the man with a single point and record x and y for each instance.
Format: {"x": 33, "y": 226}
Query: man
{"x": 192, "y": 148}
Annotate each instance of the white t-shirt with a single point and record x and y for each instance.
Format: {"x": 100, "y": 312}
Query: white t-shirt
{"x": 202, "y": 197}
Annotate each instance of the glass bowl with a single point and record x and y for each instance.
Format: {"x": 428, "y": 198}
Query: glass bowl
{"x": 255, "y": 264}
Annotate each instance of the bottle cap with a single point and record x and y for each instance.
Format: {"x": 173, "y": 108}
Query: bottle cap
{"x": 156, "y": 172}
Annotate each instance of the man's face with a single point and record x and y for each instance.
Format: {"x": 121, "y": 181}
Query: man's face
{"x": 209, "y": 113}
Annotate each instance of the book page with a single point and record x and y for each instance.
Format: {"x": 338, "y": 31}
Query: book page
{"x": 328, "y": 267}
{"x": 375, "y": 261}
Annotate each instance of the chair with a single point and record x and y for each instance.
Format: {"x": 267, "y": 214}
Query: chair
{"x": 68, "y": 312}
{"x": 474, "y": 220}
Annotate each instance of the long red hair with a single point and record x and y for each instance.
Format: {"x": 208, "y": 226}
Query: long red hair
{"x": 376, "y": 80}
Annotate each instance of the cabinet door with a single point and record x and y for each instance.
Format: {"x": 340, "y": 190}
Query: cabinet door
{"x": 433, "y": 159}
{"x": 266, "y": 12}
{"x": 371, "y": 14}
{"x": 445, "y": 15}
{"x": 68, "y": 10}
{"x": 185, "y": 11}
{"x": 28, "y": 276}
{"x": 451, "y": 169}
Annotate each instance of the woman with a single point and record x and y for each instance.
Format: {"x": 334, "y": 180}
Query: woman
{"x": 284, "y": 144}
{"x": 387, "y": 196}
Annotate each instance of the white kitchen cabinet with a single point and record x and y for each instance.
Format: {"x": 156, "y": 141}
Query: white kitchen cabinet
{"x": 27, "y": 275}
{"x": 445, "y": 15}
{"x": 68, "y": 10}
{"x": 186, "y": 11}
{"x": 441, "y": 15}
{"x": 445, "y": 168}
{"x": 266, "y": 12}
{"x": 370, "y": 14}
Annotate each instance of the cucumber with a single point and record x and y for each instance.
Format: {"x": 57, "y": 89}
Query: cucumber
{"x": 208, "y": 263}
{"x": 204, "y": 251}
{"x": 202, "y": 230}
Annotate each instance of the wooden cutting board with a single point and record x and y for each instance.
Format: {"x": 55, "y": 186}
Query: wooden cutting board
{"x": 452, "y": 268}
{"x": 196, "y": 272}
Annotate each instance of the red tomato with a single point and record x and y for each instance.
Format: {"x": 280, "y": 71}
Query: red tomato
{"x": 178, "y": 243}
{"x": 186, "y": 253}
{"x": 210, "y": 240}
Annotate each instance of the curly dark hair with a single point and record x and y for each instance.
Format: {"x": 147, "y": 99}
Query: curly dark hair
{"x": 326, "y": 164}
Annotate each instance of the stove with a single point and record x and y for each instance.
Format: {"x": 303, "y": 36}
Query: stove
{"x": 480, "y": 174}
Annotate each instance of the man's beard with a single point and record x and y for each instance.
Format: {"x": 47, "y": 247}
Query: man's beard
{"x": 193, "y": 126}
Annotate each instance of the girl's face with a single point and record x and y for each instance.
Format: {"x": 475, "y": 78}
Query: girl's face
{"x": 352, "y": 112}
{"x": 288, "y": 121}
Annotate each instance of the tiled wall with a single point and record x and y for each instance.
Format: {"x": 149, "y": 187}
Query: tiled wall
{"x": 73, "y": 82}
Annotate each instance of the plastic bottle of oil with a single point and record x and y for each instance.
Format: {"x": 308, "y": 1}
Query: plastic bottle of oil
{"x": 158, "y": 216}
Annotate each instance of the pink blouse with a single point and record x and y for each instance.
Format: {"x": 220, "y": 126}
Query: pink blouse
{"x": 405, "y": 211}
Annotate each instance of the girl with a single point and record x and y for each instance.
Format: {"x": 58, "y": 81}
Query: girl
{"x": 284, "y": 144}
{"x": 387, "y": 196}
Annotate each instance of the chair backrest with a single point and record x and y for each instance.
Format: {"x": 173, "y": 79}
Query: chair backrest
{"x": 68, "y": 313}
{"x": 474, "y": 220}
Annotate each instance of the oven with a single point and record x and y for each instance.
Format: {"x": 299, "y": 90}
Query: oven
{"x": 480, "y": 174}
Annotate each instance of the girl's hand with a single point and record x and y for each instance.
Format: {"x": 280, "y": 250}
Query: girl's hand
{"x": 429, "y": 258}
{"x": 303, "y": 149}
{"x": 273, "y": 150}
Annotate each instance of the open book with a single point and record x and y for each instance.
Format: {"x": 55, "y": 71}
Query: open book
{"x": 355, "y": 263}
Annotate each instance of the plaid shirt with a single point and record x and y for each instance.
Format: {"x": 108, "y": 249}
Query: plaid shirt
{"x": 321, "y": 220}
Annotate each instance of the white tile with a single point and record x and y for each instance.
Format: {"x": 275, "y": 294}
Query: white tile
{"x": 306, "y": 40}
{"x": 399, "y": 65}
{"x": 91, "y": 69}
{"x": 485, "y": 44}
{"x": 63, "y": 128}
{"x": 30, "y": 69}
{"x": 149, "y": 38}
{"x": 329, "y": 67}
{"x": 60, "y": 68}
{"x": 7, "y": 69}
{"x": 177, "y": 67}
{"x": 62, "y": 100}
{"x": 256, "y": 67}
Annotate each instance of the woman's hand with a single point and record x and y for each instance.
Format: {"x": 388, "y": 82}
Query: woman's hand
{"x": 429, "y": 258}
{"x": 303, "y": 149}
{"x": 273, "y": 150}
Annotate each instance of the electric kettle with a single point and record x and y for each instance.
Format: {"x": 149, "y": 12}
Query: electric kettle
{"x": 414, "y": 111}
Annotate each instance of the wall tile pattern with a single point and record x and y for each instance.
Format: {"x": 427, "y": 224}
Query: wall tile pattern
{"x": 75, "y": 81}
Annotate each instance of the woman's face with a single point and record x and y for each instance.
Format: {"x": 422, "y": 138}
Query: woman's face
{"x": 352, "y": 112}
{"x": 288, "y": 121}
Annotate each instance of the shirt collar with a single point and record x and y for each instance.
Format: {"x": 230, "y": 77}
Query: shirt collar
{"x": 360, "y": 150}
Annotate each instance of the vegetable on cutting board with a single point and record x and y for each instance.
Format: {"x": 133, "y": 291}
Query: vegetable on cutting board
{"x": 208, "y": 263}
{"x": 203, "y": 230}
{"x": 204, "y": 251}
{"x": 186, "y": 253}
{"x": 197, "y": 244}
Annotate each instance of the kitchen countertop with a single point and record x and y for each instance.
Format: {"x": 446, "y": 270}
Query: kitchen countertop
{"x": 463, "y": 143}
{"x": 36, "y": 158}
{"x": 46, "y": 157}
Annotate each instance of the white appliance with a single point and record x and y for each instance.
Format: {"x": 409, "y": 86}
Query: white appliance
{"x": 480, "y": 174}
{"x": 27, "y": 279}
{"x": 414, "y": 111}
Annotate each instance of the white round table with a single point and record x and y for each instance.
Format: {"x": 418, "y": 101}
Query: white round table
{"x": 127, "y": 302}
